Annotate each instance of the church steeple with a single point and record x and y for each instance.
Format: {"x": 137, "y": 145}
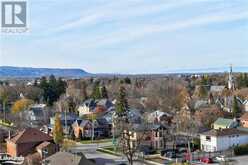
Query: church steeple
{"x": 230, "y": 79}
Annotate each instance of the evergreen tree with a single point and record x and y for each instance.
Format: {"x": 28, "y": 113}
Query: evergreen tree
{"x": 72, "y": 135}
{"x": 80, "y": 136}
{"x": 245, "y": 80}
{"x": 127, "y": 80}
{"x": 58, "y": 130}
{"x": 235, "y": 108}
{"x": 96, "y": 93}
{"x": 52, "y": 89}
{"x": 104, "y": 92}
{"x": 84, "y": 91}
{"x": 122, "y": 107}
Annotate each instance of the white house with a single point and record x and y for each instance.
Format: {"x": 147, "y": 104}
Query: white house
{"x": 157, "y": 116}
{"x": 87, "y": 107}
{"x": 217, "y": 88}
{"x": 245, "y": 105}
{"x": 222, "y": 139}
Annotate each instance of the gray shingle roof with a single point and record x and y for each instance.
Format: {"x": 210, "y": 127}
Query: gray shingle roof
{"x": 225, "y": 132}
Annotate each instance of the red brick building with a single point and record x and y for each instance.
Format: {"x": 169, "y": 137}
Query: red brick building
{"x": 26, "y": 141}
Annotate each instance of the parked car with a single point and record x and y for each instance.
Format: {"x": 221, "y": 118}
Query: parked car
{"x": 171, "y": 155}
{"x": 163, "y": 152}
{"x": 182, "y": 150}
{"x": 221, "y": 158}
{"x": 147, "y": 150}
{"x": 206, "y": 160}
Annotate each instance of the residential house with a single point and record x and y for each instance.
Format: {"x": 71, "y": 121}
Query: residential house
{"x": 135, "y": 116}
{"x": 36, "y": 114}
{"x": 102, "y": 128}
{"x": 222, "y": 139}
{"x": 26, "y": 141}
{"x": 201, "y": 104}
{"x": 67, "y": 119}
{"x": 66, "y": 158}
{"x": 223, "y": 123}
{"x": 46, "y": 149}
{"x": 83, "y": 127}
{"x": 106, "y": 103}
{"x": 87, "y": 107}
{"x": 244, "y": 120}
{"x": 245, "y": 105}
{"x": 149, "y": 135}
{"x": 95, "y": 106}
{"x": 108, "y": 116}
{"x": 159, "y": 117}
{"x": 217, "y": 89}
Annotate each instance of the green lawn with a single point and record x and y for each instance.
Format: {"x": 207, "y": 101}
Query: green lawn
{"x": 96, "y": 141}
{"x": 109, "y": 150}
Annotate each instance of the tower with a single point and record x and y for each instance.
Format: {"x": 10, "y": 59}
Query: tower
{"x": 230, "y": 79}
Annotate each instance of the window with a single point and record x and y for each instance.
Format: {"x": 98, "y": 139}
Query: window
{"x": 208, "y": 138}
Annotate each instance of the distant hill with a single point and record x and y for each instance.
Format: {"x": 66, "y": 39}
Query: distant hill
{"x": 21, "y": 72}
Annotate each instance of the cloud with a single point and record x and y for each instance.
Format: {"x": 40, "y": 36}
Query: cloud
{"x": 123, "y": 10}
{"x": 133, "y": 33}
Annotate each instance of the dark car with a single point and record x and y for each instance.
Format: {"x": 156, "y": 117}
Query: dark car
{"x": 170, "y": 155}
{"x": 182, "y": 150}
{"x": 147, "y": 150}
{"x": 163, "y": 152}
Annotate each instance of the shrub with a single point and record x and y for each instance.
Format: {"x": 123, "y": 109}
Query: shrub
{"x": 241, "y": 150}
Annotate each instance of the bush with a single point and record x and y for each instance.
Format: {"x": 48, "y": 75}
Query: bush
{"x": 241, "y": 150}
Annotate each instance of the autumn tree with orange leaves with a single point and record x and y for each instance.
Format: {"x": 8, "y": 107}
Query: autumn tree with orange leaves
{"x": 21, "y": 105}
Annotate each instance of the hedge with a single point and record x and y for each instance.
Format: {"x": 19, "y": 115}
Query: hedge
{"x": 241, "y": 150}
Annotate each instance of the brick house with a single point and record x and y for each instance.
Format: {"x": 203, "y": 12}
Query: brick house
{"x": 26, "y": 141}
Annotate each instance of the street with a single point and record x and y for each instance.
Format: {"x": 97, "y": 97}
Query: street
{"x": 89, "y": 150}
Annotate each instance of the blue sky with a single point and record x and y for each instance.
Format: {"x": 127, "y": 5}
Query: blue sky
{"x": 131, "y": 36}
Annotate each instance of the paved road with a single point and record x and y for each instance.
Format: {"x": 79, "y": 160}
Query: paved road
{"x": 240, "y": 160}
{"x": 89, "y": 150}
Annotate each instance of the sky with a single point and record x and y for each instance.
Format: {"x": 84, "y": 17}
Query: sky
{"x": 131, "y": 36}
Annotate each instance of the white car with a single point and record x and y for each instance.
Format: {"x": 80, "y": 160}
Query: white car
{"x": 221, "y": 158}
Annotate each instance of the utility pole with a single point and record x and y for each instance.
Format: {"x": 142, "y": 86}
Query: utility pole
{"x": 93, "y": 131}
{"x": 4, "y": 109}
{"x": 113, "y": 132}
{"x": 66, "y": 124}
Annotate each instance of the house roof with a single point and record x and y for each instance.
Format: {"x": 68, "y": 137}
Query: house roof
{"x": 43, "y": 145}
{"x": 105, "y": 102}
{"x": 30, "y": 135}
{"x": 102, "y": 121}
{"x": 217, "y": 88}
{"x": 244, "y": 116}
{"x": 90, "y": 103}
{"x": 37, "y": 111}
{"x": 223, "y": 121}
{"x": 147, "y": 127}
{"x": 225, "y": 132}
{"x": 200, "y": 103}
{"x": 81, "y": 123}
{"x": 60, "y": 158}
{"x": 245, "y": 102}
